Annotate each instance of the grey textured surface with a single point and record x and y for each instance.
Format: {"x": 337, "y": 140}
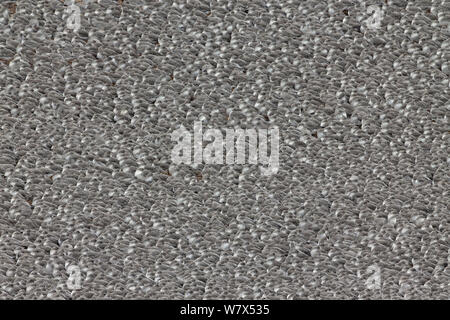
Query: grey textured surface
{"x": 363, "y": 179}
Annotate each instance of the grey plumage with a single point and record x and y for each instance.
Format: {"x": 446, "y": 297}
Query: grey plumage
{"x": 85, "y": 172}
